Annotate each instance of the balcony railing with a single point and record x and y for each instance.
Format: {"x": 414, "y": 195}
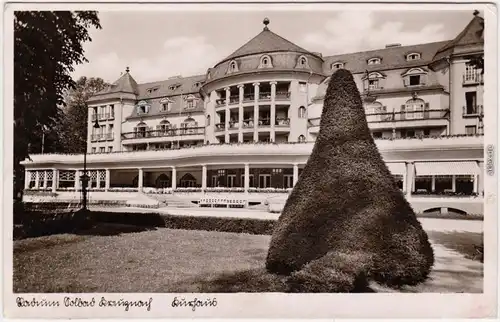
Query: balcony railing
{"x": 282, "y": 95}
{"x": 220, "y": 127}
{"x": 102, "y": 137}
{"x": 220, "y": 102}
{"x": 103, "y": 116}
{"x": 473, "y": 111}
{"x": 407, "y": 116}
{"x": 234, "y": 99}
{"x": 264, "y": 122}
{"x": 164, "y": 133}
{"x": 472, "y": 79}
{"x": 282, "y": 122}
{"x": 248, "y": 124}
{"x": 249, "y": 97}
{"x": 264, "y": 96}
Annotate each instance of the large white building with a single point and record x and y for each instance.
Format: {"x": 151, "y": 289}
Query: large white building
{"x": 246, "y": 128}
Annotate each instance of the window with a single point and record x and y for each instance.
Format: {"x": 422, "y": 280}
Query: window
{"x": 189, "y": 126}
{"x": 443, "y": 183}
{"x": 302, "y": 112}
{"x": 190, "y": 104}
{"x": 423, "y": 183}
{"x": 231, "y": 180}
{"x": 164, "y": 127}
{"x": 377, "y": 134}
{"x": 337, "y": 65}
{"x": 407, "y": 133}
{"x": 414, "y": 80}
{"x": 374, "y": 61}
{"x": 111, "y": 111}
{"x": 102, "y": 149}
{"x": 140, "y": 130}
{"x": 303, "y": 87}
{"x": 94, "y": 150}
{"x": 470, "y": 73}
{"x": 288, "y": 181}
{"x": 464, "y": 184}
{"x": 208, "y": 119}
{"x": 302, "y": 62}
{"x": 470, "y": 129}
{"x": 265, "y": 62}
{"x": 414, "y": 108}
{"x": 372, "y": 83}
{"x": 110, "y": 149}
{"x": 233, "y": 67}
{"x": 142, "y": 107}
{"x": 412, "y": 56}
{"x": 470, "y": 100}
{"x": 302, "y": 139}
{"x": 66, "y": 179}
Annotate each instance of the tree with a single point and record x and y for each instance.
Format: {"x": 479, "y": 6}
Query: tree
{"x": 47, "y": 46}
{"x": 73, "y": 132}
{"x": 346, "y": 221}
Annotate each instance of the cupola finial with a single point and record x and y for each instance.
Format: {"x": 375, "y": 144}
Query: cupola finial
{"x": 266, "y": 22}
{"x": 127, "y": 69}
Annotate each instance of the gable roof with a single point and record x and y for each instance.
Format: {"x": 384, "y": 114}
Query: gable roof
{"x": 265, "y": 42}
{"x": 392, "y": 58}
{"x": 471, "y": 35}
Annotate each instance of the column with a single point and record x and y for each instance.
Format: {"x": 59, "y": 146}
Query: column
{"x": 295, "y": 173}
{"x": 453, "y": 183}
{"x": 98, "y": 182}
{"x": 241, "y": 88}
{"x": 203, "y": 178}
{"x": 37, "y": 179}
{"x": 476, "y": 183}
{"x": 77, "y": 180}
{"x": 226, "y": 125}
{"x": 108, "y": 180}
{"x": 273, "y": 110}
{"x": 55, "y": 180}
{"x": 433, "y": 183}
{"x": 45, "y": 180}
{"x": 247, "y": 177}
{"x": 27, "y": 177}
{"x": 256, "y": 112}
{"x": 410, "y": 178}
{"x": 140, "y": 179}
{"x": 174, "y": 178}
{"x": 405, "y": 175}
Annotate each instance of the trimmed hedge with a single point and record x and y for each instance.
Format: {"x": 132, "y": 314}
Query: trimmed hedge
{"x": 346, "y": 202}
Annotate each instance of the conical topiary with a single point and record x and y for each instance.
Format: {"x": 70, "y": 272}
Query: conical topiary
{"x": 346, "y": 219}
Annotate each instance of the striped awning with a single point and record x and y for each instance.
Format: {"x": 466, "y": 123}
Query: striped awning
{"x": 446, "y": 168}
{"x": 397, "y": 168}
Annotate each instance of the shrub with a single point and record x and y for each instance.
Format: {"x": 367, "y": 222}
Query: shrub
{"x": 346, "y": 202}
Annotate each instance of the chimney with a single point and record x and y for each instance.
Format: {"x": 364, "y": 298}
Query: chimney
{"x": 392, "y": 45}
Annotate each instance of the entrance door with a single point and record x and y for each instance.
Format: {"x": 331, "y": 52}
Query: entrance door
{"x": 231, "y": 180}
{"x": 264, "y": 180}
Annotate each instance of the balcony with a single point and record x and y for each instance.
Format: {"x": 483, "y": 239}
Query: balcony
{"x": 439, "y": 117}
{"x": 473, "y": 111}
{"x": 188, "y": 131}
{"x": 233, "y": 126}
{"x": 265, "y": 96}
{"x": 234, "y": 100}
{"x": 471, "y": 79}
{"x": 249, "y": 97}
{"x": 248, "y": 124}
{"x": 264, "y": 122}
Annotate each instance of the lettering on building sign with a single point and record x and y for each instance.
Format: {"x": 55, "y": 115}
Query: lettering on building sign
{"x": 490, "y": 160}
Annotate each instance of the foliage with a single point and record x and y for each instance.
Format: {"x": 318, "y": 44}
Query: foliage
{"x": 346, "y": 202}
{"x": 47, "y": 47}
{"x": 73, "y": 133}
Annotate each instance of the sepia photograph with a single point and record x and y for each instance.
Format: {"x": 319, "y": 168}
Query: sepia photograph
{"x": 212, "y": 151}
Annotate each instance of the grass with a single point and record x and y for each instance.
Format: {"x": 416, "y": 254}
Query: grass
{"x": 121, "y": 258}
{"x": 466, "y": 243}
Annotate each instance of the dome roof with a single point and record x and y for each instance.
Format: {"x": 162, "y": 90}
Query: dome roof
{"x": 266, "y": 42}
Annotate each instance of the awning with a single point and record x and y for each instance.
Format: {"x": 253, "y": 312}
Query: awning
{"x": 398, "y": 168}
{"x": 446, "y": 168}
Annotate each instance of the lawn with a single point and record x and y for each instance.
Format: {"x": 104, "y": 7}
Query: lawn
{"x": 124, "y": 259}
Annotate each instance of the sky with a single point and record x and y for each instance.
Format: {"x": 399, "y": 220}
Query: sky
{"x": 156, "y": 45}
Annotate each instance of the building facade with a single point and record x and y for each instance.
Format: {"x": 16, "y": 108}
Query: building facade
{"x": 246, "y": 128}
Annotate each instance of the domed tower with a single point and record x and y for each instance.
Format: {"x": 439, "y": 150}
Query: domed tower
{"x": 261, "y": 91}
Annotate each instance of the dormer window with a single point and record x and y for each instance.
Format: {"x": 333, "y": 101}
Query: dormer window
{"x": 197, "y": 84}
{"x": 265, "y": 62}
{"x": 337, "y": 66}
{"x": 174, "y": 87}
{"x": 152, "y": 90}
{"x": 373, "y": 81}
{"x": 190, "y": 102}
{"x": 302, "y": 61}
{"x": 166, "y": 104}
{"x": 374, "y": 61}
{"x": 414, "y": 77}
{"x": 142, "y": 107}
{"x": 233, "y": 67}
{"x": 413, "y": 56}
